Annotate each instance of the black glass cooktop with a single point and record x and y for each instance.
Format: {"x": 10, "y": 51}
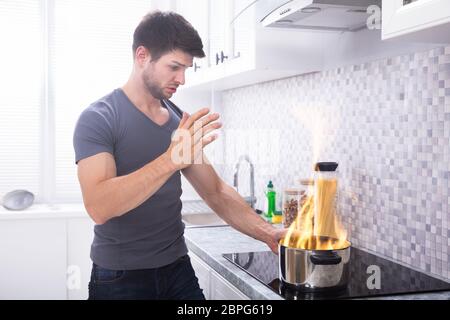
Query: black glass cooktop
{"x": 370, "y": 276}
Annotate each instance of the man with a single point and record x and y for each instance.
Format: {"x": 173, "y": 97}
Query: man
{"x": 129, "y": 172}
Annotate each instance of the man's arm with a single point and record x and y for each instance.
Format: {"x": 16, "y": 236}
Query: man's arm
{"x": 230, "y": 206}
{"x": 106, "y": 196}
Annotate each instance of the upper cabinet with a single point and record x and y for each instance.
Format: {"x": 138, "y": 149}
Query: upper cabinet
{"x": 239, "y": 50}
{"x": 417, "y": 20}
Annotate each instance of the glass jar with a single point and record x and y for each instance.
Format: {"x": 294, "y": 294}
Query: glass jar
{"x": 325, "y": 199}
{"x": 294, "y": 199}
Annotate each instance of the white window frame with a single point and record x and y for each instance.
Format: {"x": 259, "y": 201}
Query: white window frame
{"x": 47, "y": 156}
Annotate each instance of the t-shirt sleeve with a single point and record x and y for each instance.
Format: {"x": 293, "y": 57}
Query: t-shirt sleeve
{"x": 93, "y": 134}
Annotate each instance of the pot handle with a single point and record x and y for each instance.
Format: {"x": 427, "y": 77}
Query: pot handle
{"x": 325, "y": 259}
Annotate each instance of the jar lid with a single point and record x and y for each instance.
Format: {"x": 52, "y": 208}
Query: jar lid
{"x": 292, "y": 191}
{"x": 307, "y": 182}
{"x": 326, "y": 166}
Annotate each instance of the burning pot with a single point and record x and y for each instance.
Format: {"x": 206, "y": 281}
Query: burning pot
{"x": 314, "y": 270}
{"x": 315, "y": 253}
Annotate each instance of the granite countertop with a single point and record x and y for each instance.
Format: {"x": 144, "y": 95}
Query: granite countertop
{"x": 210, "y": 243}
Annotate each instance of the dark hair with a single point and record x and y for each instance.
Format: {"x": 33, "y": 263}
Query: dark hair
{"x": 162, "y": 32}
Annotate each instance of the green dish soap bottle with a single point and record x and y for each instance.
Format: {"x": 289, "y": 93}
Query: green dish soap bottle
{"x": 271, "y": 200}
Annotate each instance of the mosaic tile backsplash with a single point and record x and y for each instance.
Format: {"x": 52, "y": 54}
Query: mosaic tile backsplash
{"x": 386, "y": 122}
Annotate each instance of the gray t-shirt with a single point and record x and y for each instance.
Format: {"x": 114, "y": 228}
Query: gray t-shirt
{"x": 151, "y": 235}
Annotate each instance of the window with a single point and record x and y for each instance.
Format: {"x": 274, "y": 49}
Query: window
{"x": 21, "y": 95}
{"x": 61, "y": 55}
{"x": 90, "y": 56}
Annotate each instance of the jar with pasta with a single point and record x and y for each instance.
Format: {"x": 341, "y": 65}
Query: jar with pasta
{"x": 325, "y": 199}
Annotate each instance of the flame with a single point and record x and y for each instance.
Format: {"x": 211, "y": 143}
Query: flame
{"x": 317, "y": 226}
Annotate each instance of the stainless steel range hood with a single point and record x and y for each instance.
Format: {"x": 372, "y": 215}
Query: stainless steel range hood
{"x": 330, "y": 15}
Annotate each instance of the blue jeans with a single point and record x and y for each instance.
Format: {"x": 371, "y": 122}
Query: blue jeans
{"x": 176, "y": 281}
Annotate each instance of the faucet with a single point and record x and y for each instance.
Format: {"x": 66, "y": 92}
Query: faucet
{"x": 250, "y": 200}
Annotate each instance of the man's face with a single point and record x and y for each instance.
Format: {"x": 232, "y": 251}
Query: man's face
{"x": 163, "y": 77}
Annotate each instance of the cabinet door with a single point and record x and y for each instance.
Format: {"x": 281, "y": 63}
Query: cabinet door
{"x": 202, "y": 271}
{"x": 219, "y": 29}
{"x": 243, "y": 28}
{"x": 221, "y": 289}
{"x": 80, "y": 233}
{"x": 33, "y": 259}
{"x": 163, "y": 5}
{"x": 423, "y": 20}
{"x": 243, "y": 37}
{"x": 196, "y": 12}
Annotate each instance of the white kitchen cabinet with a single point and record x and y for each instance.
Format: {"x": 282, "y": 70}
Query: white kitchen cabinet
{"x": 416, "y": 20}
{"x": 252, "y": 53}
{"x": 80, "y": 233}
{"x": 44, "y": 253}
{"x": 48, "y": 259}
{"x": 239, "y": 50}
{"x": 214, "y": 286}
{"x": 225, "y": 41}
{"x": 211, "y": 19}
{"x": 219, "y": 31}
{"x": 33, "y": 259}
{"x": 203, "y": 273}
{"x": 197, "y": 13}
{"x": 242, "y": 41}
{"x": 242, "y": 33}
{"x": 221, "y": 289}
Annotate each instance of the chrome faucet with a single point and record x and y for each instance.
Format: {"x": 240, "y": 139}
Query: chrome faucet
{"x": 250, "y": 200}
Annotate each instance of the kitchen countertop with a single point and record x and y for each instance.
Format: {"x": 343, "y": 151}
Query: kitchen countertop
{"x": 76, "y": 210}
{"x": 210, "y": 243}
{"x": 45, "y": 211}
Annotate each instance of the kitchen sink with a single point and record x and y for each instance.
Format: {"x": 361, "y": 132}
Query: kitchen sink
{"x": 203, "y": 219}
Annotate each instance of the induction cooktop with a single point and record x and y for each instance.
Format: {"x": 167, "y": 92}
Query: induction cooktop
{"x": 370, "y": 276}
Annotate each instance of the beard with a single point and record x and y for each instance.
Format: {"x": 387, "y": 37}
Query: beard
{"x": 153, "y": 87}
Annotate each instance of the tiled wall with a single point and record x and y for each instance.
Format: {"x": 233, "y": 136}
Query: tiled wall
{"x": 386, "y": 122}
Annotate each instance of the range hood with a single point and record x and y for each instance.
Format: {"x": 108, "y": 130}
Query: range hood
{"x": 329, "y": 15}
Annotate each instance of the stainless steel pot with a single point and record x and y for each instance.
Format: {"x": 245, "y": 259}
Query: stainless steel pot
{"x": 314, "y": 270}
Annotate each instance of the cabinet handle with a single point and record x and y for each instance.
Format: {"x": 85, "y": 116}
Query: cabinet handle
{"x": 196, "y": 67}
{"x": 217, "y": 59}
{"x": 222, "y": 56}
